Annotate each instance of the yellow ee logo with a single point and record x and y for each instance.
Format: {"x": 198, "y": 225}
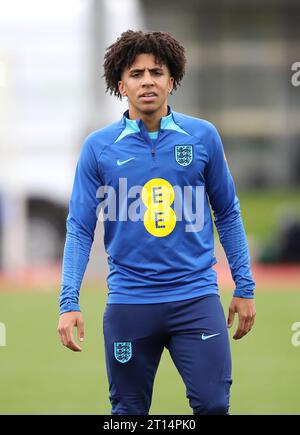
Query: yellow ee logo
{"x": 158, "y": 196}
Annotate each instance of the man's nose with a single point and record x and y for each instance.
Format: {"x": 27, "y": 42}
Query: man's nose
{"x": 147, "y": 79}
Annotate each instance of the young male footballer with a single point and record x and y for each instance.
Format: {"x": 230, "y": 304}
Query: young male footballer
{"x": 152, "y": 175}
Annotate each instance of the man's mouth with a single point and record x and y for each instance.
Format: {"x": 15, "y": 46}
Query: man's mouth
{"x": 148, "y": 96}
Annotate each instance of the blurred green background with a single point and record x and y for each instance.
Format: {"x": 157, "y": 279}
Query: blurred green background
{"x": 263, "y": 209}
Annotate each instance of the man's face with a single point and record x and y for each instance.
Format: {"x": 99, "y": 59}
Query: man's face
{"x": 146, "y": 85}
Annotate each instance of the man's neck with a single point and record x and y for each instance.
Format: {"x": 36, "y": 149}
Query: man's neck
{"x": 151, "y": 121}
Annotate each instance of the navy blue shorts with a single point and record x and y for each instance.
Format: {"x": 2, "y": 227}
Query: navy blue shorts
{"x": 195, "y": 333}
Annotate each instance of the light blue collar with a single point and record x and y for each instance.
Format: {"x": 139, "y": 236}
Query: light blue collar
{"x": 133, "y": 126}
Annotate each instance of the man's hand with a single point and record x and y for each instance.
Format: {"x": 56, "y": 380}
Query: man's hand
{"x": 246, "y": 312}
{"x": 66, "y": 323}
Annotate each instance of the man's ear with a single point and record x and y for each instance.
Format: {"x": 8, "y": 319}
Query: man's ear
{"x": 171, "y": 85}
{"x": 122, "y": 88}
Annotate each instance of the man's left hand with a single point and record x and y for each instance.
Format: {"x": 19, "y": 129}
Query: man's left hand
{"x": 246, "y": 312}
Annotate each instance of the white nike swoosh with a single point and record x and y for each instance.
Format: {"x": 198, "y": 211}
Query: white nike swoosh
{"x": 206, "y": 337}
{"x": 120, "y": 163}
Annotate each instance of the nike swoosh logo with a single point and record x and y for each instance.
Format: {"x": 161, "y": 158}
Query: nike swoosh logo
{"x": 120, "y": 163}
{"x": 206, "y": 337}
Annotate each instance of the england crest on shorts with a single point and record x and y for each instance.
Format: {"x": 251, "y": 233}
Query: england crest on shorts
{"x": 184, "y": 154}
{"x": 123, "y": 351}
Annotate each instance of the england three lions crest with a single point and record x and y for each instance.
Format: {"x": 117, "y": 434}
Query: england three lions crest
{"x": 123, "y": 351}
{"x": 184, "y": 154}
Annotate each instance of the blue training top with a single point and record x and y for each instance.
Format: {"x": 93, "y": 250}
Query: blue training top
{"x": 153, "y": 195}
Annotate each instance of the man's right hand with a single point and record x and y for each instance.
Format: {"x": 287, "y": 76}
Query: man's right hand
{"x": 66, "y": 323}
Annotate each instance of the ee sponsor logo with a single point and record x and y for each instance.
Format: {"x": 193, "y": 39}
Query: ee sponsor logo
{"x": 158, "y": 196}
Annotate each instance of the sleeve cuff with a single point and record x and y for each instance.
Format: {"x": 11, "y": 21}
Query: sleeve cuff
{"x": 69, "y": 306}
{"x": 247, "y": 294}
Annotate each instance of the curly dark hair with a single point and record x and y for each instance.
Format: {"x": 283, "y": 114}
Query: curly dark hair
{"x": 122, "y": 53}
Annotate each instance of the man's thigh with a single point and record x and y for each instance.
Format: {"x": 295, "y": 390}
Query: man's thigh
{"x": 199, "y": 346}
{"x": 134, "y": 341}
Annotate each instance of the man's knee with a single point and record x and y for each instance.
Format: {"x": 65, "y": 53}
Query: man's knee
{"x": 129, "y": 405}
{"x": 214, "y": 408}
{"x": 216, "y": 405}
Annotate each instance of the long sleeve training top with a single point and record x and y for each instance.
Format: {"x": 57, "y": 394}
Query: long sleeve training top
{"x": 154, "y": 194}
